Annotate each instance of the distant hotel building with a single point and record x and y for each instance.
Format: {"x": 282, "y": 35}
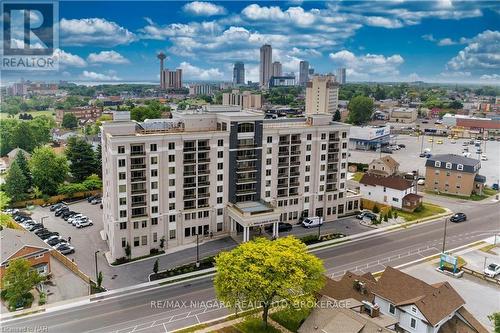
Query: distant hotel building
{"x": 266, "y": 66}
{"x": 245, "y": 99}
{"x": 239, "y": 73}
{"x": 216, "y": 174}
{"x": 322, "y": 95}
{"x": 303, "y": 73}
{"x": 197, "y": 89}
{"x": 277, "y": 69}
{"x": 172, "y": 79}
{"x": 341, "y": 77}
{"x": 282, "y": 81}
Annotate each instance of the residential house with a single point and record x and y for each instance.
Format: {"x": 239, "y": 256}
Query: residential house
{"x": 384, "y": 166}
{"x": 397, "y": 302}
{"x": 453, "y": 174}
{"x": 24, "y": 244}
{"x": 390, "y": 190}
{"x": 13, "y": 153}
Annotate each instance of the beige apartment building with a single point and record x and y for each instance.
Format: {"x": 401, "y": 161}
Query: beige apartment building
{"x": 322, "y": 95}
{"x": 219, "y": 173}
{"x": 453, "y": 174}
{"x": 245, "y": 99}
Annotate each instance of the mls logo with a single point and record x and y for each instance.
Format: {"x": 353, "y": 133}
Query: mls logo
{"x": 30, "y": 35}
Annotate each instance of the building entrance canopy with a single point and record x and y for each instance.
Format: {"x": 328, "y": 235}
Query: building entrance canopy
{"x": 253, "y": 214}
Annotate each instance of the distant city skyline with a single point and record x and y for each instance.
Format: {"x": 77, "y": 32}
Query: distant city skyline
{"x": 432, "y": 41}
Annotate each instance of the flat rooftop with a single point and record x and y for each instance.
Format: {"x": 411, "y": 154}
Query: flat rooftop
{"x": 253, "y": 207}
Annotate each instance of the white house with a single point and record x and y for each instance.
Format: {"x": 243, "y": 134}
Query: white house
{"x": 390, "y": 190}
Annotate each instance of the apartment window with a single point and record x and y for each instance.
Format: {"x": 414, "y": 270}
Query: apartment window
{"x": 220, "y": 142}
{"x": 269, "y": 139}
{"x": 220, "y": 166}
{"x": 136, "y": 225}
{"x": 269, "y": 150}
{"x": 269, "y": 161}
{"x": 200, "y": 215}
{"x": 154, "y": 209}
{"x": 306, "y": 189}
{"x": 121, "y": 149}
{"x": 154, "y": 160}
{"x": 187, "y": 232}
{"x": 171, "y": 234}
{"x": 187, "y": 216}
{"x": 448, "y": 165}
{"x": 309, "y": 136}
{"x": 155, "y": 237}
{"x": 437, "y": 164}
{"x": 154, "y": 197}
{"x": 392, "y": 309}
{"x": 219, "y": 200}
{"x": 122, "y": 188}
{"x": 323, "y": 157}
{"x": 308, "y": 147}
{"x": 220, "y": 211}
{"x": 268, "y": 194}
{"x": 136, "y": 241}
{"x": 413, "y": 323}
{"x": 308, "y": 168}
{"x": 171, "y": 158}
{"x": 122, "y": 176}
{"x": 219, "y": 226}
{"x": 154, "y": 173}
{"x": 344, "y": 135}
{"x": 171, "y": 170}
{"x": 171, "y": 218}
{"x": 144, "y": 240}
{"x": 268, "y": 172}
{"x": 460, "y": 167}
{"x": 171, "y": 182}
{"x": 124, "y": 242}
{"x": 171, "y": 206}
{"x": 220, "y": 178}
{"x": 308, "y": 158}
{"x": 153, "y": 147}
{"x": 323, "y": 146}
{"x": 395, "y": 199}
{"x": 144, "y": 224}
{"x": 123, "y": 201}
{"x": 171, "y": 145}
{"x": 171, "y": 194}
{"x": 123, "y": 225}
{"x": 154, "y": 185}
{"x": 154, "y": 221}
{"x": 219, "y": 189}
{"x": 220, "y": 154}
{"x": 413, "y": 309}
{"x": 121, "y": 163}
{"x": 344, "y": 145}
{"x": 245, "y": 127}
{"x": 123, "y": 213}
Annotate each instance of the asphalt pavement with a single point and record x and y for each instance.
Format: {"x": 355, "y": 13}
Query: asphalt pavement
{"x": 191, "y": 302}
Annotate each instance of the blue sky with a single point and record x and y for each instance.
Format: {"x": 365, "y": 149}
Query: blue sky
{"x": 446, "y": 41}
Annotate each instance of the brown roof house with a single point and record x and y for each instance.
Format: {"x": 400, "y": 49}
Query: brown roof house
{"x": 24, "y": 244}
{"x": 390, "y": 190}
{"x": 384, "y": 166}
{"x": 397, "y": 302}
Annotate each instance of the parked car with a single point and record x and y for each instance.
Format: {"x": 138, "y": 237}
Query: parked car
{"x": 311, "y": 222}
{"x": 430, "y": 139}
{"x": 75, "y": 217}
{"x": 56, "y": 206}
{"x": 59, "y": 245}
{"x": 82, "y": 219}
{"x": 46, "y": 235}
{"x": 96, "y": 201}
{"x": 67, "y": 214}
{"x": 484, "y": 157}
{"x": 439, "y": 142}
{"x": 41, "y": 231}
{"x": 438, "y": 122}
{"x": 66, "y": 249}
{"x": 421, "y": 182}
{"x": 453, "y": 141}
{"x": 92, "y": 197}
{"x": 425, "y": 121}
{"x": 386, "y": 150}
{"x": 61, "y": 210}
{"x": 492, "y": 270}
{"x": 84, "y": 223}
{"x": 495, "y": 187}
{"x": 35, "y": 227}
{"x": 458, "y": 217}
{"x": 56, "y": 241}
{"x": 401, "y": 145}
{"x": 51, "y": 238}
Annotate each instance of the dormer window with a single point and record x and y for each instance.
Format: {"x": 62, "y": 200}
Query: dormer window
{"x": 437, "y": 164}
{"x": 413, "y": 309}
{"x": 460, "y": 167}
{"x": 448, "y": 165}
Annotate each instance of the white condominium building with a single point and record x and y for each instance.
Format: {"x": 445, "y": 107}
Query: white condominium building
{"x": 322, "y": 95}
{"x": 215, "y": 174}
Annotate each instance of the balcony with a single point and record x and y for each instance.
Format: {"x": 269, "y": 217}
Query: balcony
{"x": 296, "y": 142}
{"x": 246, "y": 145}
{"x": 204, "y": 172}
{"x": 203, "y": 195}
{"x": 189, "y": 173}
{"x": 294, "y": 184}
{"x": 294, "y": 162}
{"x": 189, "y": 196}
{"x": 333, "y": 150}
{"x": 245, "y": 180}
{"x": 294, "y": 173}
{"x": 283, "y": 152}
{"x": 295, "y": 152}
{"x": 203, "y": 148}
{"x": 189, "y": 161}
{"x": 189, "y": 149}
{"x": 137, "y": 179}
{"x": 137, "y": 166}
{"x": 246, "y": 157}
{"x": 245, "y": 192}
{"x": 139, "y": 215}
{"x": 138, "y": 191}
{"x": 139, "y": 204}
{"x": 203, "y": 184}
{"x": 284, "y": 143}
{"x": 189, "y": 185}
{"x": 204, "y": 160}
{"x": 282, "y": 185}
{"x": 138, "y": 153}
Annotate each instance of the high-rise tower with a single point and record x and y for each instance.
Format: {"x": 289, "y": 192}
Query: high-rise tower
{"x": 162, "y": 57}
{"x": 239, "y": 73}
{"x": 266, "y": 65}
{"x": 303, "y": 72}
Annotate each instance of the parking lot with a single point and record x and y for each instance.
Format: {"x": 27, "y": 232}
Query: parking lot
{"x": 85, "y": 240}
{"x": 409, "y": 157}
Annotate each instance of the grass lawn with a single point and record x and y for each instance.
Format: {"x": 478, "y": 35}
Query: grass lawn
{"x": 487, "y": 192}
{"x": 488, "y": 248}
{"x": 291, "y": 319}
{"x": 460, "y": 263}
{"x": 357, "y": 176}
{"x": 254, "y": 325}
{"x": 33, "y": 113}
{"x": 426, "y": 211}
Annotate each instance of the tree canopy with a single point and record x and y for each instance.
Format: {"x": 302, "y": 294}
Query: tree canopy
{"x": 262, "y": 271}
{"x": 25, "y": 134}
{"x": 48, "y": 169}
{"x": 69, "y": 121}
{"x": 16, "y": 184}
{"x": 19, "y": 279}
{"x": 82, "y": 158}
{"x": 360, "y": 110}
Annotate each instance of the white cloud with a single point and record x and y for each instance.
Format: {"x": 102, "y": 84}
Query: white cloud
{"x": 446, "y": 42}
{"x": 455, "y": 74}
{"x": 192, "y": 29}
{"x": 482, "y": 52}
{"x": 368, "y": 66}
{"x": 414, "y": 77}
{"x": 293, "y": 15}
{"x": 109, "y": 76}
{"x": 202, "y": 8}
{"x": 66, "y": 59}
{"x": 107, "y": 57}
{"x": 379, "y": 21}
{"x": 192, "y": 72}
{"x": 94, "y": 31}
{"x": 490, "y": 77}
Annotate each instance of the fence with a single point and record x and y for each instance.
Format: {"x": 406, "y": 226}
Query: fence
{"x": 368, "y": 204}
{"x": 54, "y": 199}
{"x": 70, "y": 265}
{"x": 480, "y": 275}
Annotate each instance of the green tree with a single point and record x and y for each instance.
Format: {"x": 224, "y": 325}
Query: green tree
{"x": 99, "y": 280}
{"x": 360, "y": 110}
{"x": 22, "y": 136}
{"x": 376, "y": 209}
{"x": 128, "y": 250}
{"x": 16, "y": 184}
{"x": 48, "y": 169}
{"x": 456, "y": 105}
{"x": 82, "y": 158}
{"x": 4, "y": 200}
{"x": 262, "y": 271}
{"x": 23, "y": 164}
{"x": 156, "y": 266}
{"x": 495, "y": 318}
{"x": 98, "y": 158}
{"x": 19, "y": 279}
{"x": 336, "y": 116}
{"x": 69, "y": 121}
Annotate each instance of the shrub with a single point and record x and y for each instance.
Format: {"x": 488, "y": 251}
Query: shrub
{"x": 92, "y": 182}
{"x": 386, "y": 218}
{"x": 309, "y": 239}
{"x": 395, "y": 214}
{"x": 154, "y": 251}
{"x": 121, "y": 260}
{"x": 70, "y": 189}
{"x": 376, "y": 210}
{"x": 419, "y": 209}
{"x": 43, "y": 298}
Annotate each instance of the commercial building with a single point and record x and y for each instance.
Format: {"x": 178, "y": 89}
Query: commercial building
{"x": 239, "y": 73}
{"x": 23, "y": 244}
{"x": 467, "y": 126}
{"x": 341, "y": 75}
{"x": 219, "y": 173}
{"x": 172, "y": 79}
{"x": 83, "y": 113}
{"x": 282, "y": 81}
{"x": 322, "y": 95}
{"x": 369, "y": 137}
{"x": 277, "y": 69}
{"x": 266, "y": 65}
{"x": 245, "y": 99}
{"x": 197, "y": 89}
{"x": 303, "y": 73}
{"x": 403, "y": 115}
{"x": 453, "y": 174}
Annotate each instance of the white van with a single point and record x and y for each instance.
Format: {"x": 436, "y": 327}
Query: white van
{"x": 311, "y": 222}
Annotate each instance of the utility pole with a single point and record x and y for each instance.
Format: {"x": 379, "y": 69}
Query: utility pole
{"x": 197, "y": 250}
{"x": 444, "y": 235}
{"x": 96, "y": 271}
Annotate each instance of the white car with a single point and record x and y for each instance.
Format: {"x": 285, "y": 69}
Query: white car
{"x": 311, "y": 222}
{"x": 484, "y": 157}
{"x": 58, "y": 245}
{"x": 492, "y": 270}
{"x": 84, "y": 223}
{"x": 81, "y": 218}
{"x": 453, "y": 141}
{"x": 51, "y": 238}
{"x": 421, "y": 182}
{"x": 74, "y": 217}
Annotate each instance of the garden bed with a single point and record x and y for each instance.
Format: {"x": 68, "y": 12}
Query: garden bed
{"x": 205, "y": 263}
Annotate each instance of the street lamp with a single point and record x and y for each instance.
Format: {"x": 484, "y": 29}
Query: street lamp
{"x": 444, "y": 234}
{"x": 96, "y": 271}
{"x": 197, "y": 250}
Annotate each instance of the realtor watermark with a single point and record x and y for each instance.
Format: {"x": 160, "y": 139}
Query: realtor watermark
{"x": 25, "y": 329}
{"x": 215, "y": 304}
{"x": 30, "y": 38}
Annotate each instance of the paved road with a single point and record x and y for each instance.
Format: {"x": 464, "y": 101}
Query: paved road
{"x": 188, "y": 301}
